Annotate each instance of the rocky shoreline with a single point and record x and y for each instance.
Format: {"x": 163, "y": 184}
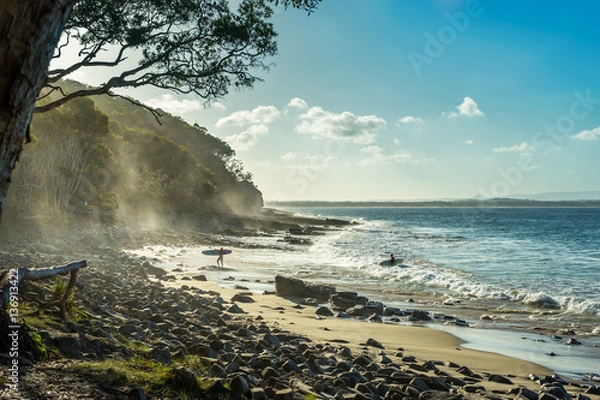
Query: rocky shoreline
{"x": 200, "y": 343}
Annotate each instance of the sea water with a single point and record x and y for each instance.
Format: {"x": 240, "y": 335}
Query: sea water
{"x": 518, "y": 271}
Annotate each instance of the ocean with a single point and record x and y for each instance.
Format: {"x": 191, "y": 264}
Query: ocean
{"x": 506, "y": 271}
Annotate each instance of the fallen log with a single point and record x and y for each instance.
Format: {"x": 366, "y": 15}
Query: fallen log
{"x": 10, "y": 279}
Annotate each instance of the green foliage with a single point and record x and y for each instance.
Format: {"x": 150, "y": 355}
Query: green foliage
{"x": 154, "y": 377}
{"x": 59, "y": 288}
{"x": 310, "y": 397}
{"x": 33, "y": 342}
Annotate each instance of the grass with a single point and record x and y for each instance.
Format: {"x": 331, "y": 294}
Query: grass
{"x": 153, "y": 377}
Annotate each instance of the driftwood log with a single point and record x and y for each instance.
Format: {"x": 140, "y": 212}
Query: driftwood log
{"x": 10, "y": 279}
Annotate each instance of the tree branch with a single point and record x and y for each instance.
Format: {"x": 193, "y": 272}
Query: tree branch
{"x": 12, "y": 278}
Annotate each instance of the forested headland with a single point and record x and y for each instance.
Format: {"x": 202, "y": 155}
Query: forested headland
{"x": 105, "y": 158}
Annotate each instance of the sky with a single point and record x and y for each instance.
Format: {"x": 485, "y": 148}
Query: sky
{"x": 417, "y": 99}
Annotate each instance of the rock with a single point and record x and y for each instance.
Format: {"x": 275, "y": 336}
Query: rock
{"x": 152, "y": 270}
{"x": 418, "y": 384}
{"x": 352, "y": 378}
{"x": 217, "y": 371}
{"x": 239, "y": 385}
{"x": 375, "y": 319}
{"x": 296, "y": 289}
{"x": 161, "y": 355}
{"x": 593, "y": 390}
{"x": 258, "y": 393}
{"x": 375, "y": 307}
{"x": 201, "y": 278}
{"x": 69, "y": 346}
{"x": 127, "y": 330}
{"x": 527, "y": 393}
{"x": 358, "y": 311}
{"x": 271, "y": 340}
{"x": 419, "y": 315}
{"x": 437, "y": 395}
{"x": 473, "y": 388}
{"x": 343, "y": 300}
{"x": 291, "y": 366}
{"x": 235, "y": 309}
{"x": 284, "y": 394}
{"x": 269, "y": 372}
{"x": 136, "y": 393}
{"x": 218, "y": 391}
{"x": 242, "y": 298}
{"x": 393, "y": 311}
{"x": 324, "y": 311}
{"x": 374, "y": 343}
{"x": 500, "y": 379}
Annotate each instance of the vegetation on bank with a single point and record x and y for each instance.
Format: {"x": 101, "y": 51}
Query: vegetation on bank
{"x": 106, "y": 156}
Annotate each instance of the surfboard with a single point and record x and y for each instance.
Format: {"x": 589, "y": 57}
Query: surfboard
{"x": 388, "y": 263}
{"x": 215, "y": 252}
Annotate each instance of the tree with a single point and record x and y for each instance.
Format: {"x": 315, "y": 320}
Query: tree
{"x": 187, "y": 46}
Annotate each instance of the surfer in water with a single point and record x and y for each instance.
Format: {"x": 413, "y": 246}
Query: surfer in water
{"x": 220, "y": 259}
{"x": 392, "y": 259}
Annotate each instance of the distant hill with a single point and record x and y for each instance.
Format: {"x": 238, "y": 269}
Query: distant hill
{"x": 561, "y": 196}
{"x": 500, "y": 202}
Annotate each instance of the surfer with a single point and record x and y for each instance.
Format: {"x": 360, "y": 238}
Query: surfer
{"x": 392, "y": 259}
{"x": 220, "y": 259}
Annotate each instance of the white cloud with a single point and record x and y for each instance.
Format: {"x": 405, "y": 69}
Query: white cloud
{"x": 289, "y": 156}
{"x": 78, "y": 75}
{"x": 468, "y": 108}
{"x": 592, "y": 134}
{"x": 248, "y": 138}
{"x": 261, "y": 115}
{"x": 297, "y": 102}
{"x": 344, "y": 126}
{"x": 409, "y": 119}
{"x": 469, "y": 141}
{"x": 169, "y": 103}
{"x": 521, "y": 148}
{"x": 376, "y": 156}
{"x": 217, "y": 105}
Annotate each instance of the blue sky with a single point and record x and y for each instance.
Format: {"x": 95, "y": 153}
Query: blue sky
{"x": 391, "y": 99}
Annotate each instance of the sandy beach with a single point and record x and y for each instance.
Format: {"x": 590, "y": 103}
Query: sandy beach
{"x": 425, "y": 344}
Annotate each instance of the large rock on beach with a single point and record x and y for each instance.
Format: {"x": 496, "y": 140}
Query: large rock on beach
{"x": 295, "y": 289}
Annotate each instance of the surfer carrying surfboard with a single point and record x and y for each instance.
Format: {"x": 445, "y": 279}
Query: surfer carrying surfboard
{"x": 220, "y": 259}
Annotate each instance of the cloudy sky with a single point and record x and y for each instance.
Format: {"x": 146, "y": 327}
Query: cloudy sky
{"x": 415, "y": 99}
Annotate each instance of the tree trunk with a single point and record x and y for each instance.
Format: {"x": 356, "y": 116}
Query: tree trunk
{"x": 29, "y": 33}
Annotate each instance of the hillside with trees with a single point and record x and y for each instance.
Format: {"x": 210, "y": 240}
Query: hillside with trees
{"x": 104, "y": 156}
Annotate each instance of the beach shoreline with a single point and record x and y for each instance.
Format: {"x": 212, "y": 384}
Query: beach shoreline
{"x": 413, "y": 351}
{"x": 526, "y": 345}
{"x": 530, "y": 341}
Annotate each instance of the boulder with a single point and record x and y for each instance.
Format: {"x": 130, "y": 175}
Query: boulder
{"x": 324, "y": 311}
{"x": 296, "y": 289}
{"x": 343, "y": 300}
{"x": 242, "y": 298}
{"x": 162, "y": 356}
{"x": 69, "y": 346}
